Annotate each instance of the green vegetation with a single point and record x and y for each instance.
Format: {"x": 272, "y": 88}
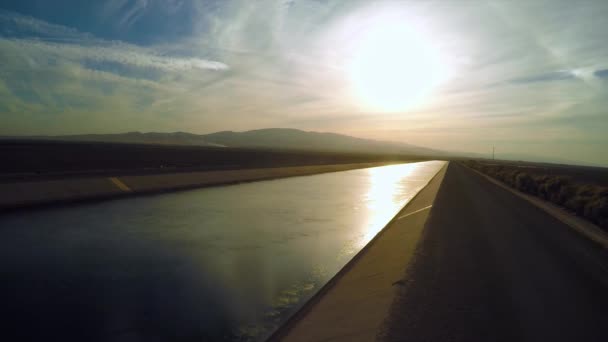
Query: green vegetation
{"x": 586, "y": 200}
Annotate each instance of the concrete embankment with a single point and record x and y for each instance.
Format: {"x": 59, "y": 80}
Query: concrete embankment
{"x": 18, "y": 195}
{"x": 355, "y": 304}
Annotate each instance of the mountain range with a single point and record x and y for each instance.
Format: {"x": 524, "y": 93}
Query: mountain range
{"x": 269, "y": 138}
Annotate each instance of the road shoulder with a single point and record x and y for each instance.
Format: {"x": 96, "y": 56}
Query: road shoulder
{"x": 582, "y": 226}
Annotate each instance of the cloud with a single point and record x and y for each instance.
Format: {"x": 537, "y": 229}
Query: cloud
{"x": 553, "y": 76}
{"x": 602, "y": 73}
{"x": 20, "y": 26}
{"x": 39, "y": 40}
{"x": 111, "y": 52}
{"x": 128, "y": 11}
{"x": 61, "y": 80}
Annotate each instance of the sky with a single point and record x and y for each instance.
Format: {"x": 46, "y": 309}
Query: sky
{"x": 529, "y": 77}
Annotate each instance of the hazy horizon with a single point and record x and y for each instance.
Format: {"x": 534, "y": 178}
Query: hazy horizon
{"x": 529, "y": 78}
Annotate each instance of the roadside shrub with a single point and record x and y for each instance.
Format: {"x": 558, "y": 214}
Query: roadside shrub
{"x": 576, "y": 204}
{"x": 501, "y": 176}
{"x": 585, "y": 191}
{"x": 509, "y": 177}
{"x": 553, "y": 186}
{"x": 524, "y": 182}
{"x": 541, "y": 179}
{"x": 566, "y": 192}
{"x": 597, "y": 210}
{"x": 541, "y": 189}
{"x": 602, "y": 192}
{"x": 586, "y": 200}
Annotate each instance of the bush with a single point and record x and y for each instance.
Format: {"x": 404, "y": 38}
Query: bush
{"x": 553, "y": 187}
{"x": 541, "y": 179}
{"x": 501, "y": 176}
{"x": 597, "y": 210}
{"x": 585, "y": 191}
{"x": 602, "y": 191}
{"x": 508, "y": 176}
{"x": 524, "y": 182}
{"x": 576, "y": 204}
{"x": 586, "y": 200}
{"x": 566, "y": 192}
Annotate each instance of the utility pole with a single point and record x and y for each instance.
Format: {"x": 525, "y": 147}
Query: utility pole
{"x": 493, "y": 149}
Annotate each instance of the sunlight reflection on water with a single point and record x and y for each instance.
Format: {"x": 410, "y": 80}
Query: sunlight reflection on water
{"x": 386, "y": 195}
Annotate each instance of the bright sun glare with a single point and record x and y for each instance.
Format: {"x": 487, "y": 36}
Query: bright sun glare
{"x": 394, "y": 67}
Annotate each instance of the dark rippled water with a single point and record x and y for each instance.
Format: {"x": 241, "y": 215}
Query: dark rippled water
{"x": 224, "y": 263}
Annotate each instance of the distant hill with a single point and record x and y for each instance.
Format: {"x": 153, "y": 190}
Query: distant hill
{"x": 297, "y": 139}
{"x": 274, "y": 138}
{"x": 175, "y": 138}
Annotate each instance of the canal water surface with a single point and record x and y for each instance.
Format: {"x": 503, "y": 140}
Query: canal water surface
{"x": 222, "y": 263}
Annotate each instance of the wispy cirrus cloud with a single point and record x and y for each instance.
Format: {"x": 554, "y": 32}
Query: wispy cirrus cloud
{"x": 19, "y": 26}
{"x": 128, "y": 11}
{"x": 52, "y": 74}
{"x": 24, "y": 33}
{"x": 562, "y": 75}
{"x": 112, "y": 52}
{"x": 602, "y": 73}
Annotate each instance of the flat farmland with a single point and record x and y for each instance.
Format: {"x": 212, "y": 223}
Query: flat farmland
{"x": 26, "y": 160}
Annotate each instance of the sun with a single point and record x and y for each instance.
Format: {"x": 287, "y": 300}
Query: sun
{"x": 394, "y": 67}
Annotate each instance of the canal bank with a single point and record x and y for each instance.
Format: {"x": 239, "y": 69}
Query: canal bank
{"x": 20, "y": 195}
{"x": 355, "y": 303}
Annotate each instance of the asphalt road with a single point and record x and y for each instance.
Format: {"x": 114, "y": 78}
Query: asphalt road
{"x": 492, "y": 267}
